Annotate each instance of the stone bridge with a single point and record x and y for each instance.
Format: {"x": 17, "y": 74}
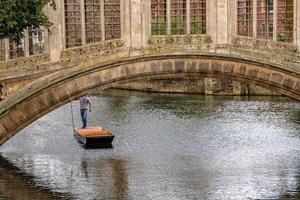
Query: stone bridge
{"x": 109, "y": 63}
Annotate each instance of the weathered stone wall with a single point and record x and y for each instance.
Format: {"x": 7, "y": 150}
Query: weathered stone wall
{"x": 51, "y": 92}
{"x": 267, "y": 49}
{"x": 12, "y": 87}
{"x": 220, "y": 39}
{"x": 191, "y": 85}
{"x": 15, "y": 74}
{"x": 267, "y": 52}
{"x": 24, "y": 62}
{"x": 99, "y": 49}
{"x": 178, "y": 85}
{"x": 165, "y": 44}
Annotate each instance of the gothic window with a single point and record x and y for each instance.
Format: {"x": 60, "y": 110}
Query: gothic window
{"x": 2, "y": 50}
{"x": 36, "y": 42}
{"x": 178, "y": 17}
{"x": 73, "y": 23}
{"x": 285, "y": 20}
{"x": 93, "y": 21}
{"x": 112, "y": 19}
{"x": 173, "y": 16}
{"x": 245, "y": 17}
{"x": 198, "y": 16}
{"x": 158, "y": 17}
{"x": 265, "y": 19}
{"x": 270, "y": 5}
{"x": 16, "y": 49}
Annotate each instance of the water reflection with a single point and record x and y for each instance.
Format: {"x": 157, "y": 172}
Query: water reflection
{"x": 44, "y": 178}
{"x": 166, "y": 147}
{"x": 16, "y": 184}
{"x": 120, "y": 179}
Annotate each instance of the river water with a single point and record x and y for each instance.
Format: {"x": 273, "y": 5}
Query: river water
{"x": 165, "y": 147}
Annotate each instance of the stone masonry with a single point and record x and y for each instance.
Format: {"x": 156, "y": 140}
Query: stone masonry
{"x": 221, "y": 21}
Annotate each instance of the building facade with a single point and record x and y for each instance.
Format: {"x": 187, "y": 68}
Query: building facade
{"x": 78, "y": 23}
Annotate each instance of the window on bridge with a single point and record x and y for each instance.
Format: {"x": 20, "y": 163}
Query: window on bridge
{"x": 158, "y": 17}
{"x": 16, "y": 49}
{"x": 285, "y": 20}
{"x": 35, "y": 44}
{"x": 178, "y": 17}
{"x": 112, "y": 19}
{"x": 36, "y": 41}
{"x": 2, "y": 49}
{"x": 93, "y": 21}
{"x": 73, "y": 23}
{"x": 198, "y": 16}
{"x": 245, "y": 17}
{"x": 265, "y": 15}
{"x": 265, "y": 18}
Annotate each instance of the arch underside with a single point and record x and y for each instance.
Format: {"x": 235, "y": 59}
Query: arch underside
{"x": 51, "y": 92}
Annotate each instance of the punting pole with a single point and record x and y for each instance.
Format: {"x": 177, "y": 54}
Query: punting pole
{"x": 72, "y": 116}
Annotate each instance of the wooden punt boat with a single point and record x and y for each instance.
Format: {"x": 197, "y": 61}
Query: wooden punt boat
{"x": 94, "y": 137}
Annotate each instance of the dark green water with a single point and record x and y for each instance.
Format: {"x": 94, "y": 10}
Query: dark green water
{"x": 165, "y": 147}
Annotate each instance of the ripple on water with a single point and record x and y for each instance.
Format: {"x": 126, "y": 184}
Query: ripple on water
{"x": 166, "y": 147}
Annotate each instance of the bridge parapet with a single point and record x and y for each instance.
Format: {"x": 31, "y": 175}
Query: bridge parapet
{"x": 91, "y": 50}
{"x": 282, "y": 55}
{"x": 269, "y": 51}
{"x": 50, "y": 92}
{"x": 274, "y": 50}
{"x": 257, "y": 44}
{"x": 25, "y": 62}
{"x": 42, "y": 61}
{"x": 285, "y": 55}
{"x": 165, "y": 44}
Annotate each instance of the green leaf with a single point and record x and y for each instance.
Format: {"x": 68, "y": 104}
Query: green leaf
{"x": 18, "y": 15}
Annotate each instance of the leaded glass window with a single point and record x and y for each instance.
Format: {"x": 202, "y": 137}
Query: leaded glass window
{"x": 73, "y": 23}
{"x": 198, "y": 16}
{"x": 285, "y": 20}
{"x": 265, "y": 19}
{"x": 93, "y": 21}
{"x": 36, "y": 41}
{"x": 178, "y": 17}
{"x": 158, "y": 17}
{"x": 2, "y": 50}
{"x": 112, "y": 19}
{"x": 245, "y": 17}
{"x": 16, "y": 49}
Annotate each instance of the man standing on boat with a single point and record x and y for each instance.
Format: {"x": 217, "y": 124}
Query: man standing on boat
{"x": 85, "y": 106}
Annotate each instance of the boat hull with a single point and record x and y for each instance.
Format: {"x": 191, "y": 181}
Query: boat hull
{"x": 94, "y": 141}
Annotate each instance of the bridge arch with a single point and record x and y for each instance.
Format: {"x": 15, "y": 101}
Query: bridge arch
{"x": 51, "y": 92}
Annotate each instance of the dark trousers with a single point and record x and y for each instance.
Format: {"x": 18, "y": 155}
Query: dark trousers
{"x": 84, "y": 115}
